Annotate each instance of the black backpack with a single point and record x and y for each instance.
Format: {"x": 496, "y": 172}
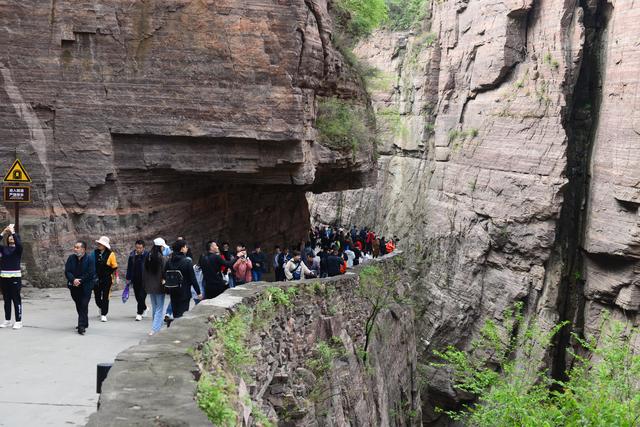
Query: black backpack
{"x": 173, "y": 279}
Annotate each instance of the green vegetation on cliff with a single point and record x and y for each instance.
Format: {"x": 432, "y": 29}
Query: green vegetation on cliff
{"x": 343, "y": 125}
{"x": 359, "y": 17}
{"x": 228, "y": 354}
{"x": 602, "y": 388}
{"x": 406, "y": 14}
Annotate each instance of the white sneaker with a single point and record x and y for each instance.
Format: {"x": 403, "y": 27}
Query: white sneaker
{"x": 103, "y": 318}
{"x": 138, "y": 317}
{"x": 5, "y": 324}
{"x": 17, "y": 325}
{"x": 145, "y": 313}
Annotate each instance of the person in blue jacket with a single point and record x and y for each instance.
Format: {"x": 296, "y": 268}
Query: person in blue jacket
{"x": 80, "y": 272}
{"x": 11, "y": 276}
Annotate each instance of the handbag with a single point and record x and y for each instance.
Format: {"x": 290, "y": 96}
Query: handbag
{"x": 125, "y": 294}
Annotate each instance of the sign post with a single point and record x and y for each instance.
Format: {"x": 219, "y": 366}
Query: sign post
{"x": 17, "y": 194}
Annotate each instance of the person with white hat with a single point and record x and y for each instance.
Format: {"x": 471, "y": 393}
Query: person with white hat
{"x": 106, "y": 265}
{"x": 152, "y": 271}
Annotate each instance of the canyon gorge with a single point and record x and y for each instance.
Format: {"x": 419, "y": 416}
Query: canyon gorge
{"x": 504, "y": 156}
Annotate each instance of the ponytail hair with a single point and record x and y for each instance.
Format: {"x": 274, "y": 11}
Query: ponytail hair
{"x": 153, "y": 262}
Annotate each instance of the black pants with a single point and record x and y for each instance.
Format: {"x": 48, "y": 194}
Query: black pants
{"x": 141, "y": 297}
{"x": 214, "y": 289}
{"x": 179, "y": 302}
{"x": 82, "y": 305}
{"x": 280, "y": 274}
{"x": 11, "y": 294}
{"x": 102, "y": 292}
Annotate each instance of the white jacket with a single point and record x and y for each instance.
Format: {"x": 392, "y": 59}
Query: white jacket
{"x": 291, "y": 266}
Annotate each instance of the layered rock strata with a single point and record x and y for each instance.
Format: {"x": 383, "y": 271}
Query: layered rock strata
{"x": 170, "y": 117}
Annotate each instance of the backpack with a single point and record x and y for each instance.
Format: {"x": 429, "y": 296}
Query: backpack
{"x": 173, "y": 279}
{"x": 343, "y": 267}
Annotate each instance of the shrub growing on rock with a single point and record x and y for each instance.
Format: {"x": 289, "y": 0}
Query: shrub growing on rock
{"x": 406, "y": 14}
{"x": 602, "y": 388}
{"x": 360, "y": 17}
{"x": 343, "y": 125}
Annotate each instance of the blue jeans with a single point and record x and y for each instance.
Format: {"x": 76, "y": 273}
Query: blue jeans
{"x": 194, "y": 295}
{"x": 256, "y": 275}
{"x": 157, "y": 306}
{"x": 232, "y": 281}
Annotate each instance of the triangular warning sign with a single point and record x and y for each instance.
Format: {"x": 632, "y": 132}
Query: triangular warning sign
{"x": 17, "y": 173}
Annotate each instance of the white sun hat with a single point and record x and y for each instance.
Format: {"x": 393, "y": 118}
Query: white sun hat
{"x": 104, "y": 241}
{"x": 159, "y": 241}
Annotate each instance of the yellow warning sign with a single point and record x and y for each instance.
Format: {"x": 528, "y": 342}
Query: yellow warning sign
{"x": 17, "y": 173}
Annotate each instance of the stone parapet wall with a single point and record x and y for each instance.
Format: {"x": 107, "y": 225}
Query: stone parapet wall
{"x": 155, "y": 382}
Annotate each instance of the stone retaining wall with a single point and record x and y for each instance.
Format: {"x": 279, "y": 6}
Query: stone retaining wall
{"x": 154, "y": 383}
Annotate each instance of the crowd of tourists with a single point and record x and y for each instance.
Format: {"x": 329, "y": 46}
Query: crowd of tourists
{"x": 162, "y": 270}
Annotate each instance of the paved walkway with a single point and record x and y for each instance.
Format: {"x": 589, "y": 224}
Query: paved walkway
{"x": 47, "y": 370}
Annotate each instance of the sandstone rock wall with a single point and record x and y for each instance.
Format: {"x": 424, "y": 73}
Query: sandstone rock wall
{"x": 508, "y": 165}
{"x": 168, "y": 117}
{"x": 153, "y": 383}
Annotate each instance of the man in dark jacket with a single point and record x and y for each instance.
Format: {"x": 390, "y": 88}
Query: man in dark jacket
{"x": 80, "y": 273}
{"x": 258, "y": 261}
{"x": 181, "y": 295}
{"x": 135, "y": 266}
{"x": 334, "y": 262}
{"x": 283, "y": 258}
{"x": 324, "y": 256}
{"x": 212, "y": 264}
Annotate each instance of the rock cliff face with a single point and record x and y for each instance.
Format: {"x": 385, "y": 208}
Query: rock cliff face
{"x": 508, "y": 167}
{"x": 141, "y": 118}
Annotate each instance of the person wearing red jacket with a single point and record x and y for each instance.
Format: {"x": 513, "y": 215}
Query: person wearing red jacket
{"x": 242, "y": 269}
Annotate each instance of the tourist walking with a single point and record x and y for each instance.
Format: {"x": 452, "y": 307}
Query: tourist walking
{"x": 295, "y": 269}
{"x": 281, "y": 261}
{"x": 106, "y": 266}
{"x": 334, "y": 263}
{"x": 279, "y": 273}
{"x": 242, "y": 269}
{"x": 135, "y": 265}
{"x": 383, "y": 246}
{"x": 212, "y": 265}
{"x": 80, "y": 272}
{"x": 313, "y": 263}
{"x": 324, "y": 256}
{"x": 375, "y": 244}
{"x": 258, "y": 260}
{"x": 179, "y": 279}
{"x": 152, "y": 272}
{"x": 11, "y": 276}
{"x": 351, "y": 256}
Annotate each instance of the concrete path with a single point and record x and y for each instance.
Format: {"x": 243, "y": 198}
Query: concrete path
{"x": 47, "y": 370}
